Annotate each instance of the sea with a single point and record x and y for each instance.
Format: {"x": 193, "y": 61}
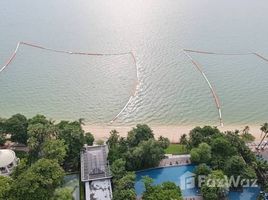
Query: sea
{"x": 159, "y": 84}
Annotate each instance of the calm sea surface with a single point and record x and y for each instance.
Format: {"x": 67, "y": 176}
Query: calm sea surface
{"x": 170, "y": 90}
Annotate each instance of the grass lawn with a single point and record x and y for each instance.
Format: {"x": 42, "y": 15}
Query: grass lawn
{"x": 176, "y": 149}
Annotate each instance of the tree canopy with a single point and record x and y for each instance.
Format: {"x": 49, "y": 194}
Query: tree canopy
{"x": 164, "y": 191}
{"x": 38, "y": 182}
{"x": 5, "y": 187}
{"x": 63, "y": 194}
{"x": 124, "y": 187}
{"x": 54, "y": 149}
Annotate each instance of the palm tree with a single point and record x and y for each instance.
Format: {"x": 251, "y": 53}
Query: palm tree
{"x": 246, "y": 130}
{"x": 81, "y": 121}
{"x": 264, "y": 129}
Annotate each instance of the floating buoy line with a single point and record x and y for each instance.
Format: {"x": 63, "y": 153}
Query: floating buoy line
{"x": 134, "y": 93}
{"x": 199, "y": 68}
{"x": 21, "y": 43}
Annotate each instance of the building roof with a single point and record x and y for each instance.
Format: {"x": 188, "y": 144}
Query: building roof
{"x": 100, "y": 190}
{"x": 94, "y": 163}
{"x": 7, "y": 156}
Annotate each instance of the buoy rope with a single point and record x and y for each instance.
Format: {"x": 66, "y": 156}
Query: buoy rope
{"x": 198, "y": 66}
{"x": 214, "y": 94}
{"x": 19, "y": 44}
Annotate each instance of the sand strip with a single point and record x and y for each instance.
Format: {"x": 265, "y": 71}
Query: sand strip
{"x": 172, "y": 132}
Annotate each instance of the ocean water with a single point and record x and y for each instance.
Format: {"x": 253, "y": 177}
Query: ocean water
{"x": 170, "y": 90}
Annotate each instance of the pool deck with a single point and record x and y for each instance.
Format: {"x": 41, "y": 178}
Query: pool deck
{"x": 175, "y": 160}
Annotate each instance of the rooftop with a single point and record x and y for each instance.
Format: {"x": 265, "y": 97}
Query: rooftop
{"x": 99, "y": 190}
{"x": 6, "y": 157}
{"x": 94, "y": 165}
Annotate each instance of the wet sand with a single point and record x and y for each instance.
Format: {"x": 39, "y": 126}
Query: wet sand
{"x": 172, "y": 132}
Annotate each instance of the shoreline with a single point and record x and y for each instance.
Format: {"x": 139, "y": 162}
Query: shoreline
{"x": 172, "y": 132}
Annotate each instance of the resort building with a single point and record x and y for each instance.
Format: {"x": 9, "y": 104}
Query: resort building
{"x": 95, "y": 173}
{"x": 8, "y": 161}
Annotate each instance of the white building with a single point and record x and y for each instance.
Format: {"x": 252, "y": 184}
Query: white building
{"x": 8, "y": 161}
{"x": 95, "y": 173}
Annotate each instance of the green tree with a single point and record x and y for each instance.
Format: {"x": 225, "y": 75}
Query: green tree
{"x": 246, "y": 136}
{"x": 89, "y": 139}
{"x": 124, "y": 187}
{"x": 73, "y": 135}
{"x": 5, "y": 187}
{"x": 146, "y": 155}
{"x": 63, "y": 194}
{"x": 118, "y": 169}
{"x": 2, "y": 132}
{"x": 240, "y": 146}
{"x": 183, "y": 139}
{"x": 201, "y": 170}
{"x": 20, "y": 168}
{"x": 215, "y": 187}
{"x": 2, "y": 139}
{"x": 54, "y": 149}
{"x": 264, "y": 129}
{"x": 17, "y": 126}
{"x": 142, "y": 132}
{"x": 199, "y": 135}
{"x": 202, "y": 154}
{"x": 113, "y": 139}
{"x": 38, "y": 134}
{"x": 164, "y": 191}
{"x": 38, "y": 182}
{"x": 237, "y": 167}
{"x": 221, "y": 151}
{"x": 164, "y": 142}
{"x": 39, "y": 119}
{"x": 118, "y": 146}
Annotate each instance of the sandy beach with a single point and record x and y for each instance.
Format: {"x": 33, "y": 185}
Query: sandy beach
{"x": 172, "y": 132}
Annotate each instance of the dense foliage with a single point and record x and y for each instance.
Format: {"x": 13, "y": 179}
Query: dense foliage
{"x": 164, "y": 191}
{"x": 46, "y": 139}
{"x": 53, "y": 148}
{"x": 226, "y": 154}
{"x": 63, "y": 194}
{"x": 38, "y": 181}
{"x": 139, "y": 150}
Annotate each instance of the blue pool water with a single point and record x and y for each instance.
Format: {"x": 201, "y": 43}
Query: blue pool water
{"x": 177, "y": 173}
{"x": 161, "y": 175}
{"x": 247, "y": 194}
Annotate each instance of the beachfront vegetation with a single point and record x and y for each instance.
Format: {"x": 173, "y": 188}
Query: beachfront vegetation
{"x": 164, "y": 191}
{"x": 39, "y": 181}
{"x": 176, "y": 149}
{"x": 139, "y": 150}
{"x": 218, "y": 154}
{"x": 53, "y": 148}
{"x": 46, "y": 139}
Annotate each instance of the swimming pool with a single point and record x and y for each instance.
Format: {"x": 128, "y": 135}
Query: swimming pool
{"x": 182, "y": 174}
{"x": 161, "y": 175}
{"x": 247, "y": 194}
